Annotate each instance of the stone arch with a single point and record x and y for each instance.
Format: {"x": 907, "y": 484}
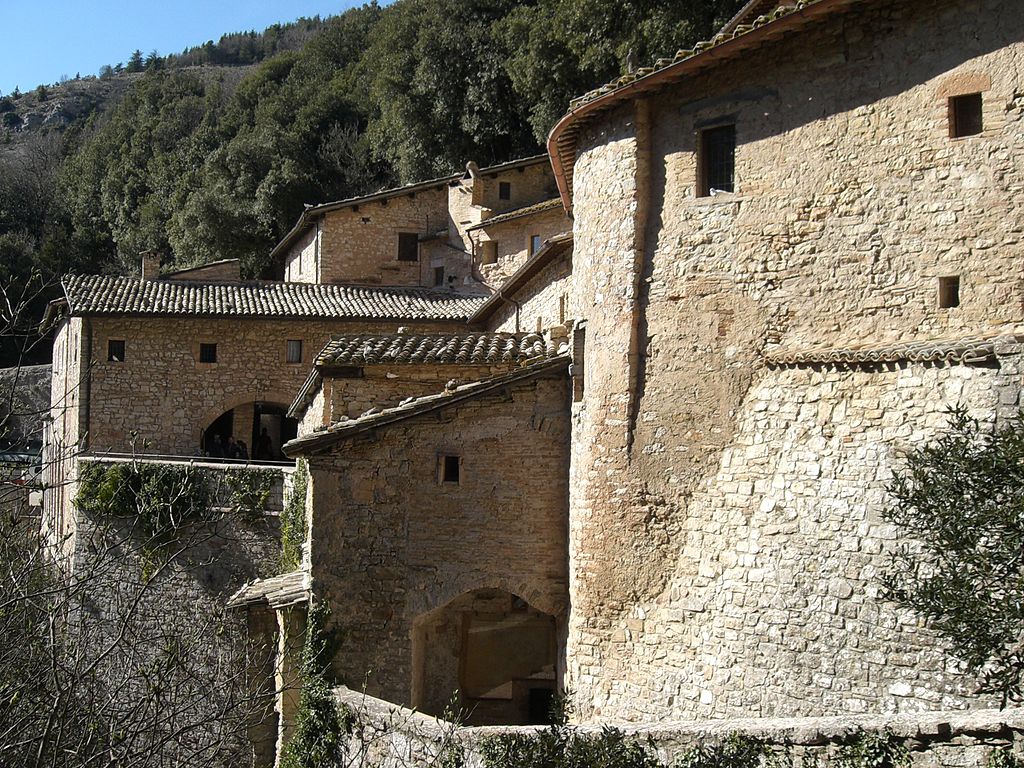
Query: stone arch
{"x": 489, "y": 652}
{"x": 456, "y": 584}
{"x": 245, "y": 406}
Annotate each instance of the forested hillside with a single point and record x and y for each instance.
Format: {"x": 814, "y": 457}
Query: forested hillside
{"x": 207, "y": 163}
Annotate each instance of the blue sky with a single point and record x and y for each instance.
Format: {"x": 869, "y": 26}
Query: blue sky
{"x": 45, "y": 39}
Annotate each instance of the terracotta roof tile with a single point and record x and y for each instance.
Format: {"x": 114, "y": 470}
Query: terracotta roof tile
{"x": 966, "y": 351}
{"x": 105, "y": 295}
{"x": 277, "y": 591}
{"x": 439, "y": 349}
{"x": 528, "y": 210}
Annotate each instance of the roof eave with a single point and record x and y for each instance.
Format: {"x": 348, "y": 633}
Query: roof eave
{"x": 320, "y": 442}
{"x": 518, "y": 278}
{"x": 655, "y": 80}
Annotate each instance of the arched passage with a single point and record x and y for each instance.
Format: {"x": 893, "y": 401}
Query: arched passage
{"x": 491, "y": 654}
{"x": 262, "y": 426}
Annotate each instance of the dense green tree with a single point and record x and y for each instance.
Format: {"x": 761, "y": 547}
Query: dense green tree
{"x": 135, "y": 62}
{"x": 960, "y": 502}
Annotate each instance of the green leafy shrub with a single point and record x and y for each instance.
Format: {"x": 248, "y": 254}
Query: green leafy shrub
{"x": 870, "y": 749}
{"x": 1004, "y": 758}
{"x": 562, "y": 746}
{"x": 737, "y": 751}
{"x": 960, "y": 500}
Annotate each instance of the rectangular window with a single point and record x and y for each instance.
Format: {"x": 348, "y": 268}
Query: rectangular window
{"x": 207, "y": 353}
{"x": 965, "y": 115}
{"x": 115, "y": 350}
{"x": 504, "y": 190}
{"x": 949, "y": 292}
{"x": 489, "y": 252}
{"x": 449, "y": 469}
{"x": 294, "y": 350}
{"x": 717, "y": 158}
{"x": 438, "y": 276}
{"x": 535, "y": 244}
{"x": 408, "y": 246}
{"x": 579, "y": 352}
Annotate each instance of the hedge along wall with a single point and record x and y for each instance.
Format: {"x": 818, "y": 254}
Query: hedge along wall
{"x": 384, "y": 735}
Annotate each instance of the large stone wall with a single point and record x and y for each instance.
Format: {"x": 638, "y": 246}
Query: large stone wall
{"x": 391, "y": 543}
{"x": 165, "y": 395}
{"x": 740, "y": 577}
{"x": 513, "y": 242}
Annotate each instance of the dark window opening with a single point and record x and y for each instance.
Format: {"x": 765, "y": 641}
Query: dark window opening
{"x": 408, "y": 246}
{"x": 579, "y": 351}
{"x": 535, "y": 244}
{"x": 344, "y": 371}
{"x": 207, "y": 353}
{"x": 504, "y": 190}
{"x": 450, "y": 469}
{"x": 294, "y": 350}
{"x": 949, "y": 292}
{"x": 115, "y": 351}
{"x": 717, "y": 160}
{"x": 438, "y": 275}
{"x": 965, "y": 115}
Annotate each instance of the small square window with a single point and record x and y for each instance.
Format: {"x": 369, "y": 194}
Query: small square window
{"x": 408, "y": 246}
{"x": 965, "y": 115}
{"x": 717, "y": 158}
{"x": 949, "y": 292}
{"x": 294, "y": 350}
{"x": 438, "y": 276}
{"x": 207, "y": 353}
{"x": 115, "y": 350}
{"x": 504, "y": 190}
{"x": 535, "y": 244}
{"x": 449, "y": 469}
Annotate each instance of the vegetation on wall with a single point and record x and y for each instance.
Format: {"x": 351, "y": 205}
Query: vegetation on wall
{"x": 293, "y": 520}
{"x": 249, "y": 490}
{"x": 959, "y": 503}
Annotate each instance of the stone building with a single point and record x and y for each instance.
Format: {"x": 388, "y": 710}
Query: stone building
{"x": 641, "y": 456}
{"x": 794, "y": 247}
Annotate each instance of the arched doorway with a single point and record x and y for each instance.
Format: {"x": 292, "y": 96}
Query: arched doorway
{"x": 261, "y": 426}
{"x": 489, "y": 653}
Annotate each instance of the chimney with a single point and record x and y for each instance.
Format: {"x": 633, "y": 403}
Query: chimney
{"x": 151, "y": 264}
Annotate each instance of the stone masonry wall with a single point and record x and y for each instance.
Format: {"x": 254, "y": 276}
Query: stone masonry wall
{"x": 390, "y": 542}
{"x": 543, "y": 301}
{"x": 164, "y": 394}
{"x": 360, "y": 245}
{"x": 513, "y": 238}
{"x": 302, "y": 265}
{"x": 740, "y": 577}
{"x": 395, "y": 737}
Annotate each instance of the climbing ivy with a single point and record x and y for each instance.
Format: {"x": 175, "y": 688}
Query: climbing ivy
{"x": 1004, "y": 757}
{"x": 250, "y": 489}
{"x": 293, "y": 520}
{"x": 561, "y": 746}
{"x": 321, "y": 726}
{"x": 159, "y": 499}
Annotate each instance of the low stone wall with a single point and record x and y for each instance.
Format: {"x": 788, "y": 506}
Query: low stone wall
{"x": 389, "y": 736}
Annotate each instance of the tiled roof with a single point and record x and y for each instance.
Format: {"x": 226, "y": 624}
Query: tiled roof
{"x": 439, "y": 349}
{"x": 104, "y": 295}
{"x": 277, "y": 591}
{"x": 518, "y": 213}
{"x": 731, "y": 41}
{"x": 966, "y": 351}
{"x": 323, "y": 439}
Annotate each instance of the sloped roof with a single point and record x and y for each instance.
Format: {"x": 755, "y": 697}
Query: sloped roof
{"x": 105, "y": 295}
{"x": 413, "y": 349}
{"x": 322, "y": 440}
{"x": 276, "y": 591}
{"x": 966, "y": 351}
{"x": 732, "y": 41}
{"x": 518, "y": 213}
{"x": 440, "y": 349}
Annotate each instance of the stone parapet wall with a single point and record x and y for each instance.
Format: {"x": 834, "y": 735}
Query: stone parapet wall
{"x": 391, "y": 736}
